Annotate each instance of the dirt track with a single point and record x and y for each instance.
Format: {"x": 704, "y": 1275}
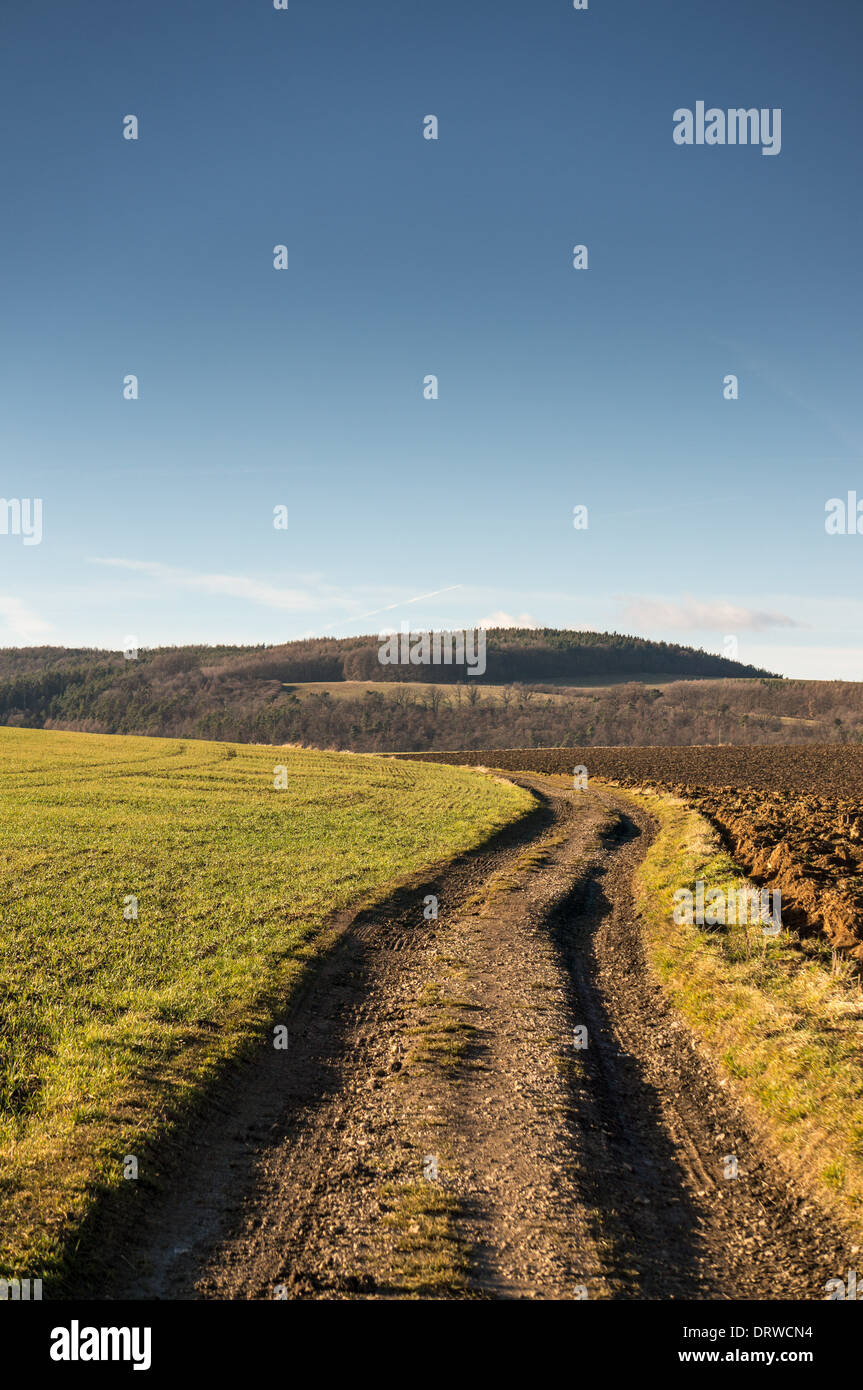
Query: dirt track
{"x": 561, "y": 1171}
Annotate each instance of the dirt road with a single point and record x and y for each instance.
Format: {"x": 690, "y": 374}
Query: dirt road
{"x": 436, "y": 1127}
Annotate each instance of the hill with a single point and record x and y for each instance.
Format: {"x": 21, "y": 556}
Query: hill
{"x": 252, "y": 693}
{"x": 512, "y": 654}
{"x": 541, "y": 688}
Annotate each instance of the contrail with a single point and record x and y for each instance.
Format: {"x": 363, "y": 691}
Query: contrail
{"x": 401, "y": 604}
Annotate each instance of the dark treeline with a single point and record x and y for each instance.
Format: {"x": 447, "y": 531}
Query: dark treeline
{"x": 512, "y": 654}
{"x": 260, "y": 694}
{"x": 183, "y": 703}
{"x": 245, "y": 693}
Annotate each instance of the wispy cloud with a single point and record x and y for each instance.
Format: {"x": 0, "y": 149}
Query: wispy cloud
{"x": 231, "y": 586}
{"x": 698, "y": 614}
{"x": 20, "y": 622}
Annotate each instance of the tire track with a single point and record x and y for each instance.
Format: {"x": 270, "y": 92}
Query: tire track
{"x": 561, "y": 1171}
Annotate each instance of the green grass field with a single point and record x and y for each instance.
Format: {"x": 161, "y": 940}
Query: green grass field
{"x": 111, "y": 1025}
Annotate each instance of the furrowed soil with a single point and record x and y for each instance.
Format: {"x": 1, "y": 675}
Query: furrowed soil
{"x": 791, "y": 815}
{"x": 833, "y": 769}
{"x": 433, "y": 1129}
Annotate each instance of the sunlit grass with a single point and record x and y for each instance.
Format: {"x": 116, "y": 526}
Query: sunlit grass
{"x": 111, "y": 1023}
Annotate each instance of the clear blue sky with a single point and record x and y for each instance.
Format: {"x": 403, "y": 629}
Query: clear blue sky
{"x": 408, "y": 257}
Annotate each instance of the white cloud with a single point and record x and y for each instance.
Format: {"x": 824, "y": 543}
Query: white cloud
{"x": 231, "y": 585}
{"x": 501, "y": 619}
{"x": 694, "y": 615}
{"x": 20, "y": 623}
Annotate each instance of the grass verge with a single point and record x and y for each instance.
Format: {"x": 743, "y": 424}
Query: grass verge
{"x": 783, "y": 1021}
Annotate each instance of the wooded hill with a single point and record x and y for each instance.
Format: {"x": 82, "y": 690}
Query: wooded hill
{"x": 252, "y": 694}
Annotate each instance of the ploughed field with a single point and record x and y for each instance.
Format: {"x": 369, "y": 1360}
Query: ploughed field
{"x": 159, "y": 902}
{"x": 792, "y": 815}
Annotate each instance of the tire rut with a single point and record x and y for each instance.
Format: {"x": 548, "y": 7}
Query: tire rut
{"x": 436, "y": 1130}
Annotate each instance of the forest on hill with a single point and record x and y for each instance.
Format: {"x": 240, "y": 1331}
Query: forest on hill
{"x": 525, "y": 655}
{"x": 260, "y": 695}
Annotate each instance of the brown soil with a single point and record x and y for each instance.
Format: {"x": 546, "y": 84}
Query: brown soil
{"x": 432, "y": 1129}
{"x": 791, "y": 816}
{"x": 833, "y": 769}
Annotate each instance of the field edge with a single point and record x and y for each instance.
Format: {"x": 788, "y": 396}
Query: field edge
{"x": 783, "y": 1028}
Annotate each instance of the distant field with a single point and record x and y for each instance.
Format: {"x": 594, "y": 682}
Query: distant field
{"x": 349, "y": 690}
{"x": 394, "y": 690}
{"x": 110, "y": 1025}
{"x": 830, "y": 769}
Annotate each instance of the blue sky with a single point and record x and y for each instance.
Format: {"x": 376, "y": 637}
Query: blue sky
{"x": 410, "y": 257}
